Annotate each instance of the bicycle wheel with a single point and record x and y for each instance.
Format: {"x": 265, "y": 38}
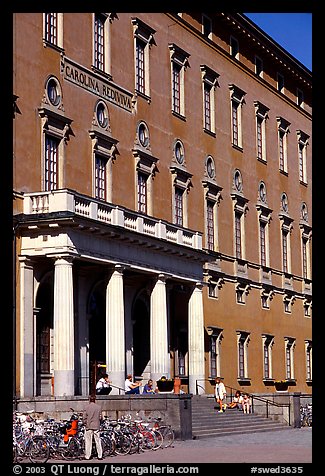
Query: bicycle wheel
{"x": 72, "y": 451}
{"x": 39, "y": 450}
{"x": 148, "y": 440}
{"x": 122, "y": 444}
{"x": 108, "y": 445}
{"x": 168, "y": 435}
{"x": 159, "y": 439}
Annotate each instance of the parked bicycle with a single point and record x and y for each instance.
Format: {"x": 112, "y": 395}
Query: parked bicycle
{"x": 306, "y": 414}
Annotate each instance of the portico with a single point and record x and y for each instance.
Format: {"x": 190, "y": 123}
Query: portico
{"x": 114, "y": 288}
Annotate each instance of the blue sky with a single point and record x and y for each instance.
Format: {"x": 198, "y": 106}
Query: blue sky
{"x": 293, "y": 31}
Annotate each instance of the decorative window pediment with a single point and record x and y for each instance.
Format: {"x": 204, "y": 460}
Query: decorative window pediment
{"x": 142, "y": 31}
{"x": 104, "y": 144}
{"x": 145, "y": 162}
{"x": 56, "y": 123}
{"x": 181, "y": 177}
{"x": 178, "y": 55}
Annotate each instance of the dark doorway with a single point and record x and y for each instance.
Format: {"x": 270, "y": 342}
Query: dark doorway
{"x": 44, "y": 324}
{"x": 141, "y": 336}
{"x": 97, "y": 325}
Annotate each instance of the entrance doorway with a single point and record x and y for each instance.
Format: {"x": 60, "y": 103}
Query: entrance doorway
{"x": 141, "y": 336}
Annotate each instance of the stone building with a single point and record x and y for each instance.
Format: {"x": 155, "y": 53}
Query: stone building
{"x": 162, "y": 202}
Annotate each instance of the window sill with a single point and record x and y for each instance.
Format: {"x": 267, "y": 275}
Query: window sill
{"x": 180, "y": 116}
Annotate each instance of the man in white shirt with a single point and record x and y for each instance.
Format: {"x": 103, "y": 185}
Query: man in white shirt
{"x": 103, "y": 386}
{"x": 131, "y": 387}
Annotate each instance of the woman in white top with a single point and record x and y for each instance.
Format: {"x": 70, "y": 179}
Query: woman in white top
{"x": 220, "y": 394}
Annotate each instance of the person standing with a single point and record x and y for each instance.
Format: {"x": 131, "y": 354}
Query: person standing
{"x": 91, "y": 418}
{"x": 220, "y": 394}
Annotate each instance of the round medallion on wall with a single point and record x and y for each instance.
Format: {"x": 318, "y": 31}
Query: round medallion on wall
{"x": 210, "y": 167}
{"x": 53, "y": 91}
{"x": 143, "y": 134}
{"x": 102, "y": 114}
{"x": 179, "y": 152}
{"x": 262, "y": 192}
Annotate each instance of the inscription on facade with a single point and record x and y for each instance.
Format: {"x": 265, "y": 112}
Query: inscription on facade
{"x": 87, "y": 80}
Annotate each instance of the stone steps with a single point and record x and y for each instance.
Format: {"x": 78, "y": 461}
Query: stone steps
{"x": 207, "y": 422}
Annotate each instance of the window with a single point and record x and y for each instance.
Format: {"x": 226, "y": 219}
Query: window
{"x": 283, "y": 130}
{"x": 178, "y": 207}
{"x": 242, "y": 290}
{"x": 305, "y": 244}
{"x": 237, "y": 101}
{"x": 51, "y": 163}
{"x": 242, "y": 350}
{"x": 240, "y": 208}
{"x": 209, "y": 81}
{"x": 51, "y": 28}
{"x": 143, "y": 40}
{"x": 181, "y": 184}
{"x": 179, "y": 63}
{"x": 146, "y": 168}
{"x": 216, "y": 337}
{"x": 212, "y": 200}
{"x": 258, "y": 67}
{"x": 307, "y": 307}
{"x": 210, "y": 225}
{"x": 268, "y": 341}
{"x": 309, "y": 360}
{"x": 56, "y": 131}
{"x": 234, "y": 47}
{"x": 207, "y": 27}
{"x": 104, "y": 152}
{"x": 261, "y": 117}
{"x": 280, "y": 83}
{"x": 289, "y": 357}
{"x": 286, "y": 227}
{"x": 302, "y": 155}
{"x": 264, "y": 218}
{"x": 99, "y": 42}
{"x": 101, "y": 46}
{"x": 300, "y": 98}
{"x": 100, "y": 178}
{"x": 266, "y": 296}
{"x": 142, "y": 192}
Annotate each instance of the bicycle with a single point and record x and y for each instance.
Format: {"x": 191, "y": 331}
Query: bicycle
{"x": 166, "y": 431}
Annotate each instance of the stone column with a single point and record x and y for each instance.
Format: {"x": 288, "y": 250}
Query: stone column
{"x": 159, "y": 357}
{"x": 115, "y": 329}
{"x": 196, "y": 341}
{"x": 63, "y": 317}
{"x": 26, "y": 331}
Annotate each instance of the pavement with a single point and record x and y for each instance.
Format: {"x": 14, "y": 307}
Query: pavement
{"x": 292, "y": 445}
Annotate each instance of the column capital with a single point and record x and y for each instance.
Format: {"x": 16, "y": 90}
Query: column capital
{"x": 63, "y": 258}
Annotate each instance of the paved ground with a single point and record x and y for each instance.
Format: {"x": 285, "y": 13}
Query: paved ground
{"x": 283, "y": 446}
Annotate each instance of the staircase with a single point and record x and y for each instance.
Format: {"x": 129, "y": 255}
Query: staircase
{"x": 207, "y": 422}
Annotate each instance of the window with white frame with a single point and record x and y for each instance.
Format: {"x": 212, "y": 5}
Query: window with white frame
{"x": 264, "y": 218}
{"x": 289, "y": 357}
{"x": 179, "y": 63}
{"x": 212, "y": 200}
{"x": 266, "y": 297}
{"x": 261, "y": 114}
{"x": 56, "y": 131}
{"x": 100, "y": 177}
{"x": 101, "y": 44}
{"x": 286, "y": 228}
{"x": 206, "y": 26}
{"x": 258, "y": 66}
{"x": 280, "y": 82}
{"x": 242, "y": 290}
{"x": 300, "y": 98}
{"x": 234, "y": 47}
{"x": 309, "y": 360}
{"x": 240, "y": 208}
{"x": 104, "y": 151}
{"x": 243, "y": 339}
{"x": 143, "y": 40}
{"x": 146, "y": 168}
{"x": 51, "y": 163}
{"x": 215, "y": 336}
{"x": 283, "y": 131}
{"x": 236, "y": 101}
{"x": 302, "y": 155}
{"x": 181, "y": 184}
{"x": 209, "y": 83}
{"x": 268, "y": 341}
{"x": 306, "y": 233}
{"x": 53, "y": 29}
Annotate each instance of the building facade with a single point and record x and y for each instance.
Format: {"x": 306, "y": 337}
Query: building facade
{"x": 162, "y": 203}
